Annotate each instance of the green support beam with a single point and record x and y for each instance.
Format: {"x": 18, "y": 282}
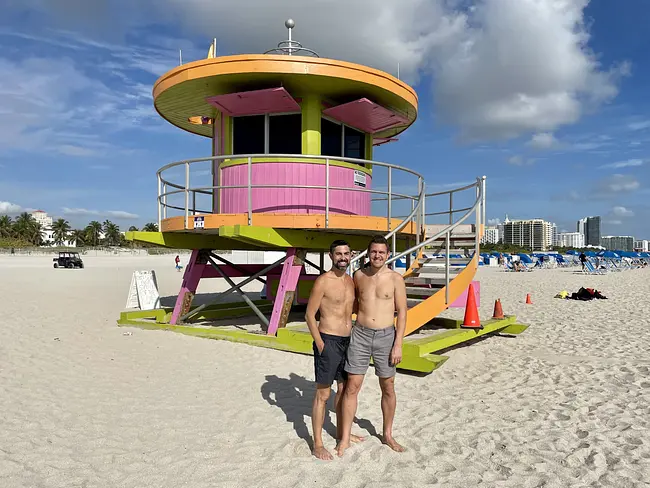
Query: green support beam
{"x": 178, "y": 240}
{"x": 418, "y": 352}
{"x": 271, "y": 237}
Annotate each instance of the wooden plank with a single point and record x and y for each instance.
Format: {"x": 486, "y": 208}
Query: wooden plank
{"x": 449, "y": 338}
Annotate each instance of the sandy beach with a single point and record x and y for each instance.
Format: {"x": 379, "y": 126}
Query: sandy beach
{"x": 565, "y": 404}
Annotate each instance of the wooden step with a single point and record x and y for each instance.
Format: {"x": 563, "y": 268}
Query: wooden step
{"x": 420, "y": 291}
{"x": 412, "y": 302}
{"x": 441, "y": 261}
{"x": 427, "y": 271}
{"x": 470, "y": 243}
{"x": 436, "y": 281}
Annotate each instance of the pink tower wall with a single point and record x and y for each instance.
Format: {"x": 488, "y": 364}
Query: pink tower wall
{"x": 293, "y": 200}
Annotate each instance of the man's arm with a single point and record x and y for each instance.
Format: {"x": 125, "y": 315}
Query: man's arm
{"x": 400, "y": 326}
{"x": 313, "y": 305}
{"x": 355, "y": 304}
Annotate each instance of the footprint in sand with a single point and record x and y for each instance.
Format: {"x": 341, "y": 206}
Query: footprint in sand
{"x": 582, "y": 434}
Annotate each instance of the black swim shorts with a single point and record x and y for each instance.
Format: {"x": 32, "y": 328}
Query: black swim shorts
{"x": 329, "y": 365}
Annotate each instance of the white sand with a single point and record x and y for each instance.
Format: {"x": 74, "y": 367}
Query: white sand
{"x": 564, "y": 404}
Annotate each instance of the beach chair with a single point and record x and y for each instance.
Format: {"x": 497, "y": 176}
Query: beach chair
{"x": 590, "y": 268}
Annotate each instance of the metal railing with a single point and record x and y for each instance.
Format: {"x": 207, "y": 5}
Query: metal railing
{"x": 417, "y": 215}
{"x": 478, "y": 207}
{"x": 189, "y": 207}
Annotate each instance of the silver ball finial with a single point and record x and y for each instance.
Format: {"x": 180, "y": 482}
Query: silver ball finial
{"x": 289, "y": 24}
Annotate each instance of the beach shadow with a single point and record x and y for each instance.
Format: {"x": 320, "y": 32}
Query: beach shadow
{"x": 294, "y": 395}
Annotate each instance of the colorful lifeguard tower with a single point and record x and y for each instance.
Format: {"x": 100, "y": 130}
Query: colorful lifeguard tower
{"x": 292, "y": 138}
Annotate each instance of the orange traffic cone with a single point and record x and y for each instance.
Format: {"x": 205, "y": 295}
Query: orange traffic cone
{"x": 528, "y": 299}
{"x": 471, "y": 311}
{"x": 498, "y": 310}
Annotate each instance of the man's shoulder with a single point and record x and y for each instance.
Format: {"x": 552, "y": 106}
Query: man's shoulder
{"x": 322, "y": 278}
{"x": 395, "y": 276}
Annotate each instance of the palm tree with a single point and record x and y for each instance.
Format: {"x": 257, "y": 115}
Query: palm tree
{"x": 133, "y": 228}
{"x": 111, "y": 233}
{"x": 78, "y": 237}
{"x": 6, "y": 229}
{"x": 60, "y": 230}
{"x": 150, "y": 227}
{"x": 93, "y": 232}
{"x": 26, "y": 228}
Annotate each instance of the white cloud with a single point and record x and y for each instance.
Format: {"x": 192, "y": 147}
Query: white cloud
{"x": 501, "y": 68}
{"x": 520, "y": 161}
{"x": 613, "y": 222}
{"x": 120, "y": 214}
{"x": 543, "y": 140}
{"x": 83, "y": 212}
{"x": 523, "y": 65}
{"x": 622, "y": 212}
{"x": 639, "y": 125}
{"x": 50, "y": 104}
{"x": 71, "y": 150}
{"x": 8, "y": 208}
{"x": 624, "y": 164}
{"x": 494, "y": 221}
{"x": 615, "y": 184}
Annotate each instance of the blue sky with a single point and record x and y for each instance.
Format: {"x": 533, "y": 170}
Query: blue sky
{"x": 548, "y": 99}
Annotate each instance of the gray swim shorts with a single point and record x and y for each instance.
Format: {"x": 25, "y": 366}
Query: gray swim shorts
{"x": 366, "y": 342}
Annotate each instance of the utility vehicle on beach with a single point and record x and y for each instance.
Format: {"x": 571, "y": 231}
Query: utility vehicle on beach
{"x": 68, "y": 260}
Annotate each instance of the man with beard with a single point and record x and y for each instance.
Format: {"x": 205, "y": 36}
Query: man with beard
{"x": 380, "y": 293}
{"x": 332, "y": 296}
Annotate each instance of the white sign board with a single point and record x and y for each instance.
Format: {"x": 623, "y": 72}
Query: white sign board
{"x": 199, "y": 223}
{"x": 359, "y": 178}
{"x": 143, "y": 292}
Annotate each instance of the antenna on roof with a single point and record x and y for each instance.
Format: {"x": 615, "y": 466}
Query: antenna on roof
{"x": 180, "y": 57}
{"x": 398, "y": 70}
{"x": 290, "y": 46}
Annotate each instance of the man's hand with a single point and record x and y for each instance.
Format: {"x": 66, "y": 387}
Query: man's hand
{"x": 320, "y": 346}
{"x": 396, "y": 355}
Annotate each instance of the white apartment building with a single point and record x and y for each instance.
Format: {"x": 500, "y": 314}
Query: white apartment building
{"x": 491, "y": 236}
{"x": 642, "y": 246}
{"x": 42, "y": 218}
{"x": 618, "y": 243}
{"x": 534, "y": 234}
{"x": 575, "y": 240}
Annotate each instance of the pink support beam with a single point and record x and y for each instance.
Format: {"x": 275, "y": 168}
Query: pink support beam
{"x": 242, "y": 270}
{"x": 461, "y": 301}
{"x": 193, "y": 273}
{"x": 291, "y": 270}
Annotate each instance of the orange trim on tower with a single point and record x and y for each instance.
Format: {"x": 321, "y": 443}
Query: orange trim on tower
{"x": 299, "y": 65}
{"x": 288, "y": 221}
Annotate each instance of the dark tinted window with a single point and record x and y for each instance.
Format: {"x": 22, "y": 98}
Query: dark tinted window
{"x": 354, "y": 144}
{"x": 248, "y": 135}
{"x": 285, "y": 134}
{"x": 330, "y": 138}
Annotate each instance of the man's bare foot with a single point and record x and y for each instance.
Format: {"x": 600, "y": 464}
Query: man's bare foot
{"x": 356, "y": 438}
{"x": 392, "y": 443}
{"x": 341, "y": 447}
{"x": 322, "y": 453}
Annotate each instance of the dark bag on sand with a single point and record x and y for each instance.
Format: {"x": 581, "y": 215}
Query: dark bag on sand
{"x": 587, "y": 294}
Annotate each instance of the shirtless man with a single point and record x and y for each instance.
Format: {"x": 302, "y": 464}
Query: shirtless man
{"x": 380, "y": 293}
{"x": 333, "y": 296}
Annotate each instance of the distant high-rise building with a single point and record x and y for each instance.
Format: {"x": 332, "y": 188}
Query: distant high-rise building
{"x": 575, "y": 240}
{"x": 491, "y": 236}
{"x": 618, "y": 243}
{"x": 590, "y": 228}
{"x": 535, "y": 234}
{"x": 642, "y": 246}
